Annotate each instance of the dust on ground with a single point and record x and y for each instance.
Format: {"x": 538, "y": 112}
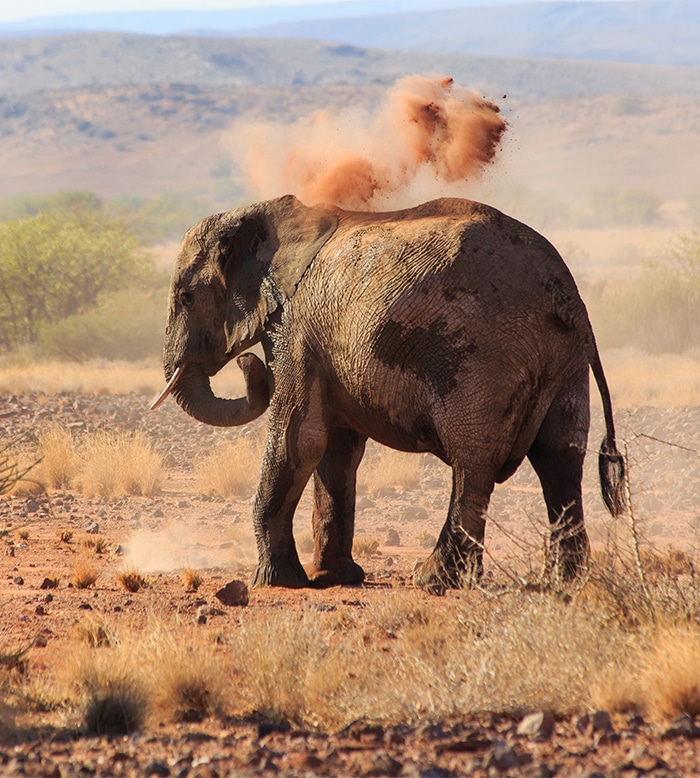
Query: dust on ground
{"x": 180, "y": 528}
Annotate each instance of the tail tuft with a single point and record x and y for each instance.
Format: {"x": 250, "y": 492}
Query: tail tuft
{"x": 611, "y": 466}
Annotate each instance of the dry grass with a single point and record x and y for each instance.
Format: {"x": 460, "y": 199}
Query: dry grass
{"x": 64, "y": 535}
{"x": 384, "y": 468}
{"x": 123, "y": 678}
{"x": 97, "y": 544}
{"x": 188, "y": 683}
{"x": 365, "y": 546}
{"x": 662, "y": 680}
{"x": 114, "y": 464}
{"x": 85, "y": 574}
{"x": 132, "y": 580}
{"x": 95, "y": 632}
{"x": 636, "y": 378}
{"x": 405, "y": 657}
{"x": 99, "y": 377}
{"x": 107, "y": 691}
{"x": 305, "y": 543}
{"x": 520, "y": 653}
{"x": 58, "y": 452}
{"x": 191, "y": 579}
{"x": 18, "y": 470}
{"x": 22, "y": 375}
{"x": 105, "y": 464}
{"x": 662, "y": 380}
{"x": 232, "y": 468}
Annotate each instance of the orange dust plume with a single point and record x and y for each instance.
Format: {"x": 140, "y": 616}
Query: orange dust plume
{"x": 431, "y": 138}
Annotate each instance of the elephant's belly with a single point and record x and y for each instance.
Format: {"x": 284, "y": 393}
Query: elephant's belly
{"x": 397, "y": 414}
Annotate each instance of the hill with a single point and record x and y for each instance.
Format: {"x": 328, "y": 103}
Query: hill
{"x": 30, "y": 65}
{"x": 643, "y": 31}
{"x": 140, "y": 116}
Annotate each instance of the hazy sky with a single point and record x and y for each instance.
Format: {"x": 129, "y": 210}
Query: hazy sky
{"x": 26, "y": 9}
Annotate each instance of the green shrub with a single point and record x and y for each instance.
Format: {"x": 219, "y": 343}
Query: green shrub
{"x": 605, "y": 207}
{"x": 658, "y": 311}
{"x": 59, "y": 264}
{"x": 126, "y": 325}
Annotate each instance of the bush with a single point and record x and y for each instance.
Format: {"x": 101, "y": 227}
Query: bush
{"x": 58, "y": 264}
{"x": 605, "y": 207}
{"x": 657, "y": 312}
{"x": 166, "y": 217}
{"x": 126, "y": 325}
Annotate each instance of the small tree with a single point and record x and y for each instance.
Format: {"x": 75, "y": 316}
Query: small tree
{"x": 56, "y": 264}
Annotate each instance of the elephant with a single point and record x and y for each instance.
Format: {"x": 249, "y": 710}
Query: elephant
{"x": 448, "y": 328}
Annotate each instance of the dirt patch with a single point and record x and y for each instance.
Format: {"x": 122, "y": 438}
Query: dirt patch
{"x": 162, "y": 536}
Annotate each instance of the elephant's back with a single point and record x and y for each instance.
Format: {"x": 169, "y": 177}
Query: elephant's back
{"x": 452, "y": 244}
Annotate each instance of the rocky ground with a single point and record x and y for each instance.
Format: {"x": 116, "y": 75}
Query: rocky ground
{"x": 179, "y": 528}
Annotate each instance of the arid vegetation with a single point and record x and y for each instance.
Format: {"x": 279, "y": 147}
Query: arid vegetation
{"x": 401, "y": 658}
{"x": 138, "y": 641}
{"x": 156, "y": 649}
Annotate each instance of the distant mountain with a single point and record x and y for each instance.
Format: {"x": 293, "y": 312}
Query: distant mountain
{"x": 100, "y": 60}
{"x": 222, "y": 22}
{"x": 642, "y": 31}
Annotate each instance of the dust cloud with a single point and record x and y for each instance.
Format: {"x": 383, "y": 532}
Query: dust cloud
{"x": 430, "y": 138}
{"x": 178, "y": 546}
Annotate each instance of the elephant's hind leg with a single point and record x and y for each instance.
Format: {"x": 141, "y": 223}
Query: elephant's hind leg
{"x": 457, "y": 559}
{"x": 334, "y": 511}
{"x": 557, "y": 457}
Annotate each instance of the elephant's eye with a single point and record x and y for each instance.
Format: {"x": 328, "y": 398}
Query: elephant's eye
{"x": 186, "y": 298}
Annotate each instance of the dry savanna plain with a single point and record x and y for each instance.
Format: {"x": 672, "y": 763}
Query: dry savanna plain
{"x": 129, "y": 641}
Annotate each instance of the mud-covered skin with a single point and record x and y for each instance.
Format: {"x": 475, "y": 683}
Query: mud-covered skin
{"x": 447, "y": 328}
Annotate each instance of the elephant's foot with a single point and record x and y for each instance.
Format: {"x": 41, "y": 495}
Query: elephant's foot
{"x": 344, "y": 572}
{"x": 291, "y": 576}
{"x": 437, "y": 574}
{"x": 569, "y": 557}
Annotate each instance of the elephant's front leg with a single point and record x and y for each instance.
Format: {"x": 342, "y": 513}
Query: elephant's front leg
{"x": 334, "y": 511}
{"x": 290, "y": 456}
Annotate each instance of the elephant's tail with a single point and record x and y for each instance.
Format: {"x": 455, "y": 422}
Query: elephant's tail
{"x": 611, "y": 463}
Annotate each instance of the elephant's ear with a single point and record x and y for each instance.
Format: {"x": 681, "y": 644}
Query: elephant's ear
{"x": 263, "y": 251}
{"x": 297, "y": 234}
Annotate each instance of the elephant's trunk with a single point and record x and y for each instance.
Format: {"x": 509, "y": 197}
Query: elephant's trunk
{"x": 191, "y": 388}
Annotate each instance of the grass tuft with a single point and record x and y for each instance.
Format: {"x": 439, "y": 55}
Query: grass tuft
{"x": 365, "y": 546}
{"x": 111, "y": 696}
{"x": 132, "y": 580}
{"x": 95, "y": 543}
{"x": 232, "y": 468}
{"x": 58, "y": 452}
{"x": 186, "y": 681}
{"x": 85, "y": 574}
{"x": 95, "y": 632}
{"x": 384, "y": 468}
{"x": 191, "y": 579}
{"x": 115, "y": 464}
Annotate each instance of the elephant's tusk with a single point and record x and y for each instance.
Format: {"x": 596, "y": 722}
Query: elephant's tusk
{"x": 179, "y": 370}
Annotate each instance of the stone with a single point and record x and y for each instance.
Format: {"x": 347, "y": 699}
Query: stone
{"x": 234, "y": 593}
{"x": 414, "y": 513}
{"x": 392, "y": 538}
{"x": 92, "y": 528}
{"x": 538, "y": 725}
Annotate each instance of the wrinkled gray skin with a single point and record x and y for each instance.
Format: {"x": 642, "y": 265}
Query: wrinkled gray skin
{"x": 448, "y": 328}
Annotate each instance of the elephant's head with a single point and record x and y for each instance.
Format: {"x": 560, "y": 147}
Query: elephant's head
{"x": 233, "y": 270}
